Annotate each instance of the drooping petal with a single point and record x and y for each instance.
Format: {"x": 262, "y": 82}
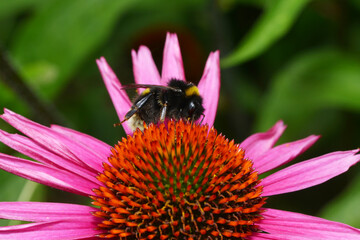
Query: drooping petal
{"x": 145, "y": 70}
{"x": 89, "y": 238}
{"x": 283, "y": 154}
{"x": 84, "y": 152}
{"x": 102, "y": 148}
{"x": 209, "y": 87}
{"x": 172, "y": 61}
{"x": 58, "y": 143}
{"x": 265, "y": 236}
{"x": 45, "y": 211}
{"x": 39, "y": 133}
{"x": 118, "y": 96}
{"x": 309, "y": 173}
{"x": 58, "y": 230}
{"x": 30, "y": 148}
{"x": 258, "y": 143}
{"x": 46, "y": 175}
{"x": 290, "y": 225}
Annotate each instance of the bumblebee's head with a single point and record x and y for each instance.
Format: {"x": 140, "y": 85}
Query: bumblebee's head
{"x": 193, "y": 108}
{"x": 189, "y": 101}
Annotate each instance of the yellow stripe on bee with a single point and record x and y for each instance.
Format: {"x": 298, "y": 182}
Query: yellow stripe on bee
{"x": 146, "y": 91}
{"x": 193, "y": 90}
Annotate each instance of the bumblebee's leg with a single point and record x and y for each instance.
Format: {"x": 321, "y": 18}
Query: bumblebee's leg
{"x": 130, "y": 113}
{"x": 163, "y": 102}
{"x": 193, "y": 120}
{"x": 202, "y": 119}
{"x": 163, "y": 112}
{"x": 135, "y": 108}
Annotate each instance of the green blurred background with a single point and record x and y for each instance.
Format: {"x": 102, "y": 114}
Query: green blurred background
{"x": 296, "y": 60}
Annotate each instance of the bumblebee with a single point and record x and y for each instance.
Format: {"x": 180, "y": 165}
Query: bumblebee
{"x": 177, "y": 100}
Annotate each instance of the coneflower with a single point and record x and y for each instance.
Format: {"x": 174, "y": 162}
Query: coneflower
{"x": 179, "y": 180}
{"x": 174, "y": 180}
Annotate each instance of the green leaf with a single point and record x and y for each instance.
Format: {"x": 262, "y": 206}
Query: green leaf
{"x": 8, "y": 8}
{"x": 273, "y": 24}
{"x": 62, "y": 33}
{"x": 345, "y": 208}
{"x": 312, "y": 82}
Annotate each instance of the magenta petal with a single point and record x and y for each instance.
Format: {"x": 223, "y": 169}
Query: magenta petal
{"x": 39, "y": 133}
{"x": 283, "y": 154}
{"x": 265, "y": 236}
{"x": 101, "y": 148}
{"x": 62, "y": 145}
{"x": 257, "y": 144}
{"x": 309, "y": 173}
{"x": 118, "y": 96}
{"x": 290, "y": 225}
{"x": 58, "y": 230}
{"x": 46, "y": 175}
{"x": 172, "y": 61}
{"x": 30, "y": 148}
{"x": 86, "y": 153}
{"x": 45, "y": 212}
{"x": 89, "y": 238}
{"x": 145, "y": 71}
{"x": 209, "y": 87}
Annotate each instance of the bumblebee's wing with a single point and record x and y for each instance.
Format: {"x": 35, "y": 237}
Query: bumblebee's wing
{"x": 150, "y": 86}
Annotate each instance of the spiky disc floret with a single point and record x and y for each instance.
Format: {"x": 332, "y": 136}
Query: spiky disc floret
{"x": 178, "y": 181}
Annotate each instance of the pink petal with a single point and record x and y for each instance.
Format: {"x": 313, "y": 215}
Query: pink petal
{"x": 118, "y": 96}
{"x": 102, "y": 148}
{"x": 309, "y": 173}
{"x": 172, "y": 61}
{"x": 259, "y": 143}
{"x": 89, "y": 238}
{"x": 290, "y": 225}
{"x": 62, "y": 145}
{"x": 58, "y": 230}
{"x": 45, "y": 211}
{"x": 145, "y": 71}
{"x": 87, "y": 154}
{"x": 39, "y": 133}
{"x": 30, "y": 148}
{"x": 209, "y": 87}
{"x": 266, "y": 236}
{"x": 283, "y": 154}
{"x": 47, "y": 175}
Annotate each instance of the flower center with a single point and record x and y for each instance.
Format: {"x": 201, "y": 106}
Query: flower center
{"x": 178, "y": 180}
